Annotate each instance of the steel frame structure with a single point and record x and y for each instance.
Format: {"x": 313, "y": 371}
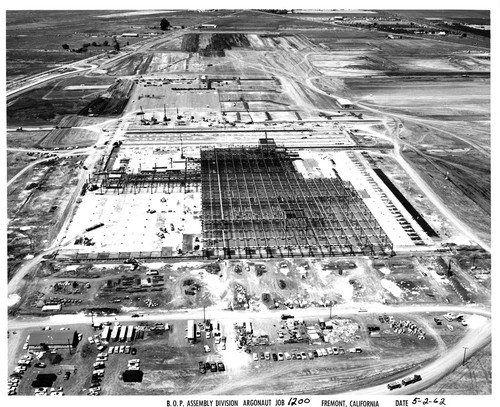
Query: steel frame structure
{"x": 256, "y": 204}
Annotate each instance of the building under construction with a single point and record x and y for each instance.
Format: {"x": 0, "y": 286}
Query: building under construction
{"x": 256, "y": 204}
{"x": 157, "y": 179}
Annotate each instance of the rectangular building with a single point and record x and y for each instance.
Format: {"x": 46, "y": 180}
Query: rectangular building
{"x": 42, "y": 340}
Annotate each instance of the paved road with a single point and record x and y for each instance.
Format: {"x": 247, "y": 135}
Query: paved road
{"x": 476, "y": 338}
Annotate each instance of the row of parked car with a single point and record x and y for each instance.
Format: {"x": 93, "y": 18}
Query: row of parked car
{"x": 13, "y": 381}
{"x": 98, "y": 374}
{"x": 53, "y": 391}
{"x": 280, "y": 356}
{"x": 211, "y": 367}
{"x": 122, "y": 349}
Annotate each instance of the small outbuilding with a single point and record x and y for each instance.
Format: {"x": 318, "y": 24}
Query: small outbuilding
{"x": 52, "y": 308}
{"x": 344, "y": 103}
{"x": 131, "y": 376}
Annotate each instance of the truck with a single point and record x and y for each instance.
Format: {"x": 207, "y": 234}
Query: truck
{"x": 114, "y": 333}
{"x": 248, "y": 327}
{"x": 410, "y": 380}
{"x": 130, "y": 333}
{"x": 105, "y": 333}
{"x": 123, "y": 333}
{"x": 322, "y": 324}
{"x": 393, "y": 385}
{"x": 191, "y": 331}
{"x": 216, "y": 328}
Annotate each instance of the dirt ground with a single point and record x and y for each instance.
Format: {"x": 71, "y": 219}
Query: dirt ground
{"x": 345, "y": 99}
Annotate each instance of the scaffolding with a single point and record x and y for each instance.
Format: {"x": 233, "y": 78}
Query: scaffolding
{"x": 256, "y": 204}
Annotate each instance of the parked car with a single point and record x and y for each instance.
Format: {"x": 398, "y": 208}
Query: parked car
{"x": 40, "y": 365}
{"x": 255, "y": 356}
{"x": 213, "y": 367}
{"x": 133, "y": 351}
{"x": 221, "y": 366}
{"x": 207, "y": 348}
{"x": 280, "y": 356}
{"x": 201, "y": 367}
{"x": 67, "y": 374}
{"x": 275, "y": 357}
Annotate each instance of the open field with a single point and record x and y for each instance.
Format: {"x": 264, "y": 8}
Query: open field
{"x": 246, "y": 189}
{"x": 76, "y": 29}
{"x": 36, "y": 206}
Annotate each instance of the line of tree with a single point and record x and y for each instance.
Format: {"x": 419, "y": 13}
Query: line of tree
{"x": 472, "y": 30}
{"x": 86, "y": 45}
{"x": 275, "y": 11}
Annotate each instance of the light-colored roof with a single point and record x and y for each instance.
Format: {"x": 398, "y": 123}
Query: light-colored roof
{"x": 51, "y": 337}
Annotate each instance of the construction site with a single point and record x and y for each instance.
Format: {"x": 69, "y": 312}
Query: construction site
{"x": 286, "y": 186}
{"x": 255, "y": 202}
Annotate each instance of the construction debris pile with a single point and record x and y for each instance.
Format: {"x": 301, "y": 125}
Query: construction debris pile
{"x": 340, "y": 330}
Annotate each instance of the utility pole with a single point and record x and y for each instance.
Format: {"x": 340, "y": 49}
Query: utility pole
{"x": 465, "y": 352}
{"x": 331, "y": 309}
{"x": 204, "y": 319}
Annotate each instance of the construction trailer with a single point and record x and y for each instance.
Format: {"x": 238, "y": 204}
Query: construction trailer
{"x": 123, "y": 333}
{"x": 191, "y": 331}
{"x": 106, "y": 333}
{"x": 114, "y": 333}
{"x": 130, "y": 333}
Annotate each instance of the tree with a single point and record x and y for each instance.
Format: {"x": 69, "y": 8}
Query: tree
{"x": 65, "y": 46}
{"x": 164, "y": 24}
{"x": 116, "y": 44}
{"x": 105, "y": 43}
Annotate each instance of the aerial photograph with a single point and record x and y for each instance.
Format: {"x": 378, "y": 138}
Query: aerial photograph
{"x": 234, "y": 202}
